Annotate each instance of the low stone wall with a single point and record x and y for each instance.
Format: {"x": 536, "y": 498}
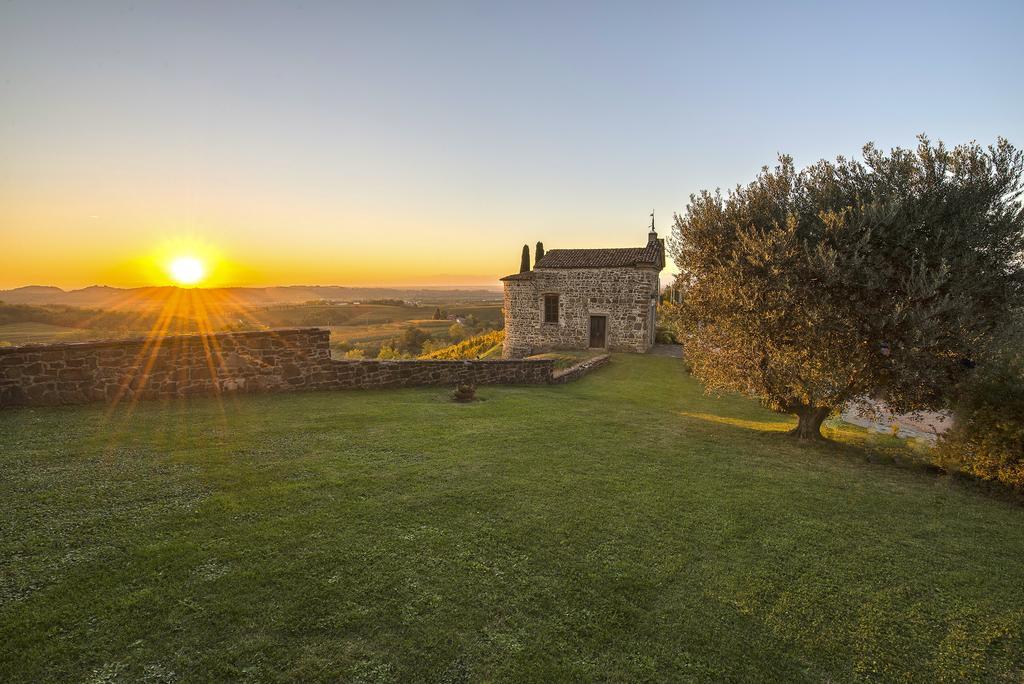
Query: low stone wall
{"x": 369, "y": 374}
{"x": 263, "y": 361}
{"x": 173, "y": 366}
{"x": 580, "y": 369}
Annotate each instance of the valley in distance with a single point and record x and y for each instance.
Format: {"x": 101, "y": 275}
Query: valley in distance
{"x": 362, "y": 320}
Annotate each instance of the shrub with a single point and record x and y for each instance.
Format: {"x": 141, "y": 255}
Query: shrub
{"x": 411, "y": 340}
{"x": 432, "y": 345}
{"x": 464, "y": 392}
{"x": 473, "y": 348}
{"x": 457, "y": 333}
{"x": 665, "y": 336}
{"x": 987, "y": 438}
{"x": 388, "y": 353}
{"x": 341, "y": 347}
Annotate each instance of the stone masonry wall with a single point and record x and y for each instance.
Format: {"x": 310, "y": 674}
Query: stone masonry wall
{"x": 263, "y": 361}
{"x": 623, "y": 295}
{"x": 580, "y": 369}
{"x": 120, "y": 370}
{"x": 369, "y": 374}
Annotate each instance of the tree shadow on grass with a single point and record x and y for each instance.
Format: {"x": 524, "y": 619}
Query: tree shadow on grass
{"x": 853, "y": 444}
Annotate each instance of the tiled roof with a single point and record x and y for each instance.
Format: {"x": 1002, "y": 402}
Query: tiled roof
{"x": 653, "y": 254}
{"x": 602, "y": 258}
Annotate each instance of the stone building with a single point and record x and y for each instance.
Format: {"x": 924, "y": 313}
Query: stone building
{"x": 585, "y": 299}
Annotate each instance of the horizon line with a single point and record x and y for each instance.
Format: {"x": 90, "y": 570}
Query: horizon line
{"x": 496, "y": 287}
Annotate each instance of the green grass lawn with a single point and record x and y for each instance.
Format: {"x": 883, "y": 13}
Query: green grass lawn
{"x": 624, "y": 527}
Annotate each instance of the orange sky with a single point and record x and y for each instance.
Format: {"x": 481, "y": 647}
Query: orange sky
{"x": 79, "y": 242}
{"x": 424, "y": 143}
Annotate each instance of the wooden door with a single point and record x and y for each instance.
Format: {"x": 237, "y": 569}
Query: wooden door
{"x": 597, "y": 331}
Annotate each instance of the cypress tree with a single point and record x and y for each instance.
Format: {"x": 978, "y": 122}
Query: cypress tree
{"x": 538, "y": 253}
{"x": 524, "y": 264}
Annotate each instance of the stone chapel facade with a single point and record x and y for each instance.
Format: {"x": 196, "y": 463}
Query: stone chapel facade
{"x": 585, "y": 299}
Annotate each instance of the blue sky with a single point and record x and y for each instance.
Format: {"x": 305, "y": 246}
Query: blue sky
{"x": 387, "y": 142}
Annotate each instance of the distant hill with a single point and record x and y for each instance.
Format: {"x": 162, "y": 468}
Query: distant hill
{"x": 32, "y": 294}
{"x": 102, "y": 296}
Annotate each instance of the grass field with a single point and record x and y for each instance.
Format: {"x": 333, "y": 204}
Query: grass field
{"x": 382, "y": 332}
{"x": 36, "y": 333}
{"x": 365, "y": 314}
{"x": 349, "y": 323}
{"x": 624, "y": 527}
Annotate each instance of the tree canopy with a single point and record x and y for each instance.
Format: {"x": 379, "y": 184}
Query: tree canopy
{"x": 876, "y": 278}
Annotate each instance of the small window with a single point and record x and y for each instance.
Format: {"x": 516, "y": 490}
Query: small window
{"x": 551, "y": 308}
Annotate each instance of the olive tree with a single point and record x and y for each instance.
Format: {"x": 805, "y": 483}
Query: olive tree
{"x": 849, "y": 279}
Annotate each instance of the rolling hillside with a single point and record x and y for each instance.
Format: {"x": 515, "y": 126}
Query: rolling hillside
{"x": 101, "y": 296}
{"x": 36, "y": 333}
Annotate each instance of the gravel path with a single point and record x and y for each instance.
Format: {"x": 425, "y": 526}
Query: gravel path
{"x": 673, "y": 350}
{"x": 927, "y": 425}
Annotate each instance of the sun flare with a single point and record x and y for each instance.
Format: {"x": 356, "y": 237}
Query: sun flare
{"x": 187, "y": 270}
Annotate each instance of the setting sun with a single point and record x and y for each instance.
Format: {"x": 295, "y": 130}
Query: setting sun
{"x": 187, "y": 270}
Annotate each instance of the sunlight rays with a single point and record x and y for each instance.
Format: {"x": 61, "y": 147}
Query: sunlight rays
{"x": 184, "y": 315}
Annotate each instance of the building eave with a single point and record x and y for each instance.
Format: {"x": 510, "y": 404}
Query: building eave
{"x": 526, "y": 275}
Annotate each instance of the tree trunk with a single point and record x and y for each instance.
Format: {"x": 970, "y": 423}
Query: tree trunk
{"x": 809, "y": 420}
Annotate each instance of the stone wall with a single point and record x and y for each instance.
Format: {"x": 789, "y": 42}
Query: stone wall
{"x": 170, "y": 366}
{"x": 623, "y": 295}
{"x": 263, "y": 361}
{"x": 368, "y": 374}
{"x": 580, "y": 369}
